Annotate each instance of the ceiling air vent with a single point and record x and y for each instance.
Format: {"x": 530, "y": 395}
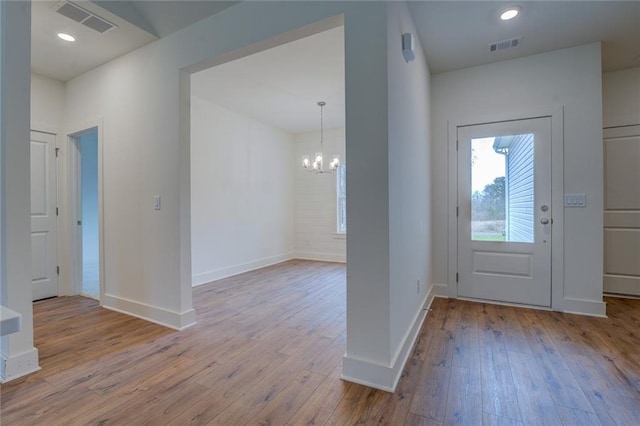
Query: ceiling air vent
{"x": 505, "y": 44}
{"x": 84, "y": 17}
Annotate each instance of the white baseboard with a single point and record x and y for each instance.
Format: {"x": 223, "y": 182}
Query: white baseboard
{"x": 16, "y": 366}
{"x": 568, "y": 305}
{"x": 321, "y": 257}
{"x": 592, "y": 308}
{"x": 621, "y": 284}
{"x": 441, "y": 290}
{"x": 228, "y": 271}
{"x": 165, "y": 317}
{"x": 386, "y": 377}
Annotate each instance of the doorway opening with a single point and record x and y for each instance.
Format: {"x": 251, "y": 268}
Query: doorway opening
{"x": 86, "y": 191}
{"x": 252, "y": 121}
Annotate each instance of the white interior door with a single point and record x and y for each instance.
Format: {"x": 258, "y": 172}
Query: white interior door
{"x": 505, "y": 212}
{"x": 43, "y": 215}
{"x": 622, "y": 210}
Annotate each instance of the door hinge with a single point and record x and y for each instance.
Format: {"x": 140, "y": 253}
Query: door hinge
{"x": 457, "y": 276}
{"x": 57, "y": 270}
{"x": 457, "y": 142}
{"x": 57, "y": 151}
{"x": 57, "y": 211}
{"x": 457, "y": 211}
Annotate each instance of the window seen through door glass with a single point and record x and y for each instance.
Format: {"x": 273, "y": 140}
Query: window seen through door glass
{"x": 502, "y": 188}
{"x": 341, "y": 202}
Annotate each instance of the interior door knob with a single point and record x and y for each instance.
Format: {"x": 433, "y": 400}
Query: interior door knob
{"x": 544, "y": 221}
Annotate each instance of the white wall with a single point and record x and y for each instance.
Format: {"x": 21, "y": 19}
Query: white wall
{"x": 17, "y": 354}
{"x": 139, "y": 134}
{"x": 241, "y": 192}
{"x": 315, "y": 200}
{"x": 409, "y": 178}
{"x": 398, "y": 170}
{"x": 47, "y": 104}
{"x": 569, "y": 78}
{"x": 621, "y": 97}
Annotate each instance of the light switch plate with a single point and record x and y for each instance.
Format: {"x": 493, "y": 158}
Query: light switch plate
{"x": 575, "y": 200}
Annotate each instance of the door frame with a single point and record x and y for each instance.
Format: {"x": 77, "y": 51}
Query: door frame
{"x": 74, "y": 208}
{"x": 556, "y": 114}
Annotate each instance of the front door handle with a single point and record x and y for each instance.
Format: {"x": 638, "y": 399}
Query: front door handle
{"x": 544, "y": 221}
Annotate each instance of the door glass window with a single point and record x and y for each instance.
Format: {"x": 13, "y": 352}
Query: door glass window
{"x": 502, "y": 188}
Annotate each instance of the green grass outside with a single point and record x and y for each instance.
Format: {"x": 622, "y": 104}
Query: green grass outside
{"x": 485, "y": 237}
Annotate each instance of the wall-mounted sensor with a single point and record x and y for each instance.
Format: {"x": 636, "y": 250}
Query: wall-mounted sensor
{"x": 407, "y": 47}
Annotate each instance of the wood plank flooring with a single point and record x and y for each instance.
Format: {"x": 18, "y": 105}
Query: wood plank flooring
{"x": 268, "y": 350}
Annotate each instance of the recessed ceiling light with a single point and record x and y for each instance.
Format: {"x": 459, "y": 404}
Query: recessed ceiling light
{"x": 66, "y": 37}
{"x": 509, "y": 13}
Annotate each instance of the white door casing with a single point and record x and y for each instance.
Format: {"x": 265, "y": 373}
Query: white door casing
{"x": 75, "y": 260}
{"x": 517, "y": 270}
{"x": 43, "y": 215}
{"x": 622, "y": 210}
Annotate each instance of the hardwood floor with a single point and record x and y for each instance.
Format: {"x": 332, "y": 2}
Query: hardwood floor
{"x": 267, "y": 349}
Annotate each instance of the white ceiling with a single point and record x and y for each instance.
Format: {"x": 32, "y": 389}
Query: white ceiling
{"x": 162, "y": 17}
{"x": 457, "y": 34}
{"x": 281, "y": 86}
{"x": 62, "y": 60}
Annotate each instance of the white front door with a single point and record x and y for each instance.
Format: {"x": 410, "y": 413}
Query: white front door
{"x": 505, "y": 212}
{"x": 43, "y": 215}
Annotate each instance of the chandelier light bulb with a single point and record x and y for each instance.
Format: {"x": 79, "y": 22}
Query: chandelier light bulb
{"x": 335, "y": 163}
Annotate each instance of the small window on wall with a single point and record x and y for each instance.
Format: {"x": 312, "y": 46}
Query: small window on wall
{"x": 341, "y": 191}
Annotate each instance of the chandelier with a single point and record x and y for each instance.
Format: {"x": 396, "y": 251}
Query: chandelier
{"x": 317, "y": 165}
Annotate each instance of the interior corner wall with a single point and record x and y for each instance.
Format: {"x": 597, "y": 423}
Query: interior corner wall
{"x": 409, "y": 181}
{"x": 47, "y": 104}
{"x": 621, "y": 97}
{"x": 569, "y": 78}
{"x": 316, "y": 200}
{"x": 241, "y": 193}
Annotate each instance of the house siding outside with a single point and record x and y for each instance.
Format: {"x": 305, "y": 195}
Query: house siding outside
{"x": 519, "y": 189}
